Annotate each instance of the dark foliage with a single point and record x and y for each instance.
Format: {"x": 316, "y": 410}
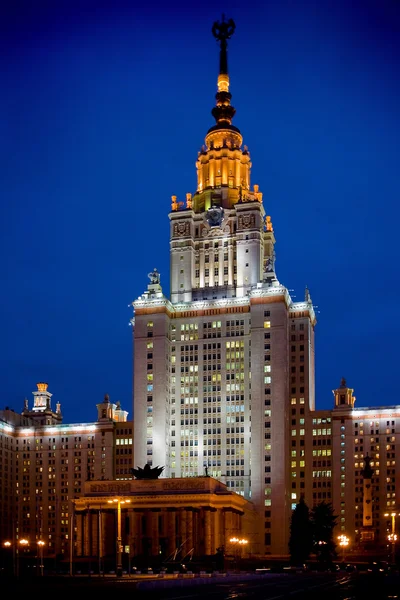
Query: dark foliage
{"x": 301, "y": 539}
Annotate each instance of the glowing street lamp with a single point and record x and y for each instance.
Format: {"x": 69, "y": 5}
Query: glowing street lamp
{"x": 238, "y": 543}
{"x": 118, "y": 502}
{"x": 24, "y": 543}
{"x": 7, "y": 544}
{"x": 41, "y": 543}
{"x": 392, "y": 537}
{"x": 343, "y": 542}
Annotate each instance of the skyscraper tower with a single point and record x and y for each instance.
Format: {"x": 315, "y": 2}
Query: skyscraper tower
{"x": 224, "y": 369}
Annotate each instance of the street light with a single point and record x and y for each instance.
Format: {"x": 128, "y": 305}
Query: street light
{"x": 343, "y": 542}
{"x": 24, "y": 543}
{"x": 118, "y": 502}
{"x": 7, "y": 544}
{"x": 41, "y": 543}
{"x": 238, "y": 542}
{"x": 392, "y": 537}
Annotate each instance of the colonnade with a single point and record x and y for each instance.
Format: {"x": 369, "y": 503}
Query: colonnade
{"x": 156, "y": 531}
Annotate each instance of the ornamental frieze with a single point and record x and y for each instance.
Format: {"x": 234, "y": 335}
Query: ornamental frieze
{"x": 182, "y": 229}
{"x": 246, "y": 221}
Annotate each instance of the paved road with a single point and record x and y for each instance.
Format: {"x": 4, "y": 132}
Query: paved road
{"x": 302, "y": 586}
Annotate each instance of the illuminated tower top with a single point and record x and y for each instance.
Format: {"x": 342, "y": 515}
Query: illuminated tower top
{"x": 41, "y": 410}
{"x": 223, "y": 164}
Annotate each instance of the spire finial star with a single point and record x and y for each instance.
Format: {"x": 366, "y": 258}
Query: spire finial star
{"x": 223, "y": 31}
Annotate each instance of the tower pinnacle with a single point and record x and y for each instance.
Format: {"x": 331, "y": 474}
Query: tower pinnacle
{"x": 223, "y": 112}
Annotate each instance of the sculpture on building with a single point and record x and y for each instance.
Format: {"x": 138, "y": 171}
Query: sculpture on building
{"x": 367, "y": 472}
{"x": 223, "y": 31}
{"x": 154, "y": 277}
{"x": 268, "y": 224}
{"x": 270, "y": 264}
{"x": 147, "y": 472}
{"x": 215, "y": 216}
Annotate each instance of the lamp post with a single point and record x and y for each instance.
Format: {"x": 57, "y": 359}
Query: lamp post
{"x": 238, "y": 543}
{"x": 343, "y": 542}
{"x": 119, "y": 502}
{"x": 24, "y": 543}
{"x": 7, "y": 544}
{"x": 392, "y": 537}
{"x": 41, "y": 543}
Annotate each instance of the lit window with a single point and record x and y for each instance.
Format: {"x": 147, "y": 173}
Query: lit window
{"x": 267, "y": 324}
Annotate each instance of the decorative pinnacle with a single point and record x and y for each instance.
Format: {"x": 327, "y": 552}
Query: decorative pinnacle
{"x": 223, "y": 31}
{"x": 223, "y": 112}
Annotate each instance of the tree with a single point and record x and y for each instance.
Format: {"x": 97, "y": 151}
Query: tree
{"x": 323, "y": 521}
{"x": 300, "y": 541}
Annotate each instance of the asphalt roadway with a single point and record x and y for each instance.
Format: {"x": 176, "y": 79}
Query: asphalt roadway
{"x": 271, "y": 586}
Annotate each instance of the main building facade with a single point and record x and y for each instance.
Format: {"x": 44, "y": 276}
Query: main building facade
{"x": 218, "y": 366}
{"x": 224, "y": 368}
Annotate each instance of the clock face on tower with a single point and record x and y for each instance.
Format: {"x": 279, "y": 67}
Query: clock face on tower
{"x": 215, "y": 216}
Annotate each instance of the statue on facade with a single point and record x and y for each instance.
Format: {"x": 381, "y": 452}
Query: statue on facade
{"x": 367, "y": 472}
{"x": 270, "y": 264}
{"x": 147, "y": 472}
{"x": 154, "y": 277}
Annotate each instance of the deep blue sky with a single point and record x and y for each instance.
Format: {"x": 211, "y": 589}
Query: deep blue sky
{"x": 103, "y": 108}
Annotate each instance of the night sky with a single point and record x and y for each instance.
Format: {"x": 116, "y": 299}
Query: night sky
{"x": 103, "y": 107}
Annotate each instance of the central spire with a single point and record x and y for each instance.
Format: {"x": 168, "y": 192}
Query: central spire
{"x": 223, "y": 112}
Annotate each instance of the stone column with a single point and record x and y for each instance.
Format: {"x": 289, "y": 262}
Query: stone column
{"x": 94, "y": 533}
{"x": 229, "y": 532}
{"x": 230, "y": 265}
{"x": 213, "y": 538}
{"x": 79, "y": 533}
{"x": 195, "y": 531}
{"x": 182, "y": 527}
{"x": 171, "y": 536}
{"x": 211, "y": 267}
{"x": 207, "y": 530}
{"x": 137, "y": 533}
{"x": 100, "y": 534}
{"x": 221, "y": 275}
{"x": 218, "y": 541}
{"x": 201, "y": 265}
{"x": 92, "y": 530}
{"x": 106, "y": 523}
{"x": 154, "y": 532}
{"x": 86, "y": 533}
{"x": 189, "y": 529}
